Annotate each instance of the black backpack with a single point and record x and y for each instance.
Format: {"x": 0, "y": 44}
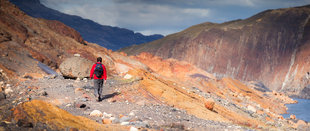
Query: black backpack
{"x": 98, "y": 70}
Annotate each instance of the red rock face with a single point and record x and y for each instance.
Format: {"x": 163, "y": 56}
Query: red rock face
{"x": 264, "y": 47}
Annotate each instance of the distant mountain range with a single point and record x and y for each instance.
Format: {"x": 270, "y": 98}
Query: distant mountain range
{"x": 110, "y": 37}
{"x": 272, "y": 46}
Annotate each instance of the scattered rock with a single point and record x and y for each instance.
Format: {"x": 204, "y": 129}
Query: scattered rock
{"x": 2, "y": 96}
{"x": 133, "y": 129}
{"x": 115, "y": 120}
{"x": 106, "y": 115}
{"x": 124, "y": 119}
{"x": 301, "y": 124}
{"x": 8, "y": 90}
{"x": 176, "y": 126}
{"x": 85, "y": 96}
{"x": 80, "y": 105}
{"x": 293, "y": 117}
{"x": 28, "y": 99}
{"x": 77, "y": 55}
{"x": 251, "y": 108}
{"x": 77, "y": 90}
{"x": 96, "y": 113}
{"x": 24, "y": 123}
{"x": 43, "y": 93}
{"x": 127, "y": 76}
{"x": 139, "y": 124}
{"x": 106, "y": 121}
{"x": 131, "y": 114}
{"x": 281, "y": 118}
{"x": 112, "y": 118}
{"x": 84, "y": 99}
{"x": 52, "y": 76}
{"x": 124, "y": 123}
{"x": 209, "y": 104}
{"x": 69, "y": 85}
{"x": 59, "y": 76}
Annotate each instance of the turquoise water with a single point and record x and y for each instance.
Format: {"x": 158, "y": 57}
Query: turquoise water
{"x": 301, "y": 110}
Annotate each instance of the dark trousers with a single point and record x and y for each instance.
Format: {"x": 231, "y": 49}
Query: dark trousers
{"x": 98, "y": 85}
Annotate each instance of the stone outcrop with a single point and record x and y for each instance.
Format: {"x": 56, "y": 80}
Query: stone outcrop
{"x": 272, "y": 47}
{"x": 76, "y": 67}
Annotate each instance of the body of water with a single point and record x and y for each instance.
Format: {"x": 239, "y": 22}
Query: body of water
{"x": 301, "y": 110}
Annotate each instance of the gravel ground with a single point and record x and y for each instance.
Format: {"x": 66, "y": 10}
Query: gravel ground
{"x": 152, "y": 116}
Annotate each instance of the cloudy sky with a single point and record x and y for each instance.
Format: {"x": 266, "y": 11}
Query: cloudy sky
{"x": 165, "y": 16}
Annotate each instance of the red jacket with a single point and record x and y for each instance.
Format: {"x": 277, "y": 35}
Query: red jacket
{"x": 104, "y": 76}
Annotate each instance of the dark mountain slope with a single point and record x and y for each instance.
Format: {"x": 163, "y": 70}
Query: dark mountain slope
{"x": 110, "y": 37}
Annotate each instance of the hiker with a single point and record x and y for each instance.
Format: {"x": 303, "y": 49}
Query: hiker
{"x": 100, "y": 76}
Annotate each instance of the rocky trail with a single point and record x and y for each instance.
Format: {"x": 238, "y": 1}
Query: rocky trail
{"x": 76, "y": 97}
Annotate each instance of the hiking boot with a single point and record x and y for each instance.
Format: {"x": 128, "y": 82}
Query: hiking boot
{"x": 99, "y": 99}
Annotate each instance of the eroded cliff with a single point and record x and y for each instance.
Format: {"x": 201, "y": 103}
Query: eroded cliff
{"x": 268, "y": 47}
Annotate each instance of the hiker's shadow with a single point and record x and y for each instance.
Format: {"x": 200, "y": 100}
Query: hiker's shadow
{"x": 109, "y": 95}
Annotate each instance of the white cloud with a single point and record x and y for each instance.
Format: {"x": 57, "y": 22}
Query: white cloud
{"x": 158, "y": 31}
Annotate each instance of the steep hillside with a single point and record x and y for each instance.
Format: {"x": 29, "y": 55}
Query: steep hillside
{"x": 110, "y": 37}
{"x": 269, "y": 47}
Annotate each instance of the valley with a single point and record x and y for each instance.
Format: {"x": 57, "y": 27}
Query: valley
{"x": 45, "y": 85}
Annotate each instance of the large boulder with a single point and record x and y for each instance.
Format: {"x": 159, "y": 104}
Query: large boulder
{"x": 209, "y": 104}
{"x": 75, "y": 67}
{"x": 96, "y": 113}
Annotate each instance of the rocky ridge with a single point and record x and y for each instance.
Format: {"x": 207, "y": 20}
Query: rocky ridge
{"x": 142, "y": 92}
{"x": 109, "y": 37}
